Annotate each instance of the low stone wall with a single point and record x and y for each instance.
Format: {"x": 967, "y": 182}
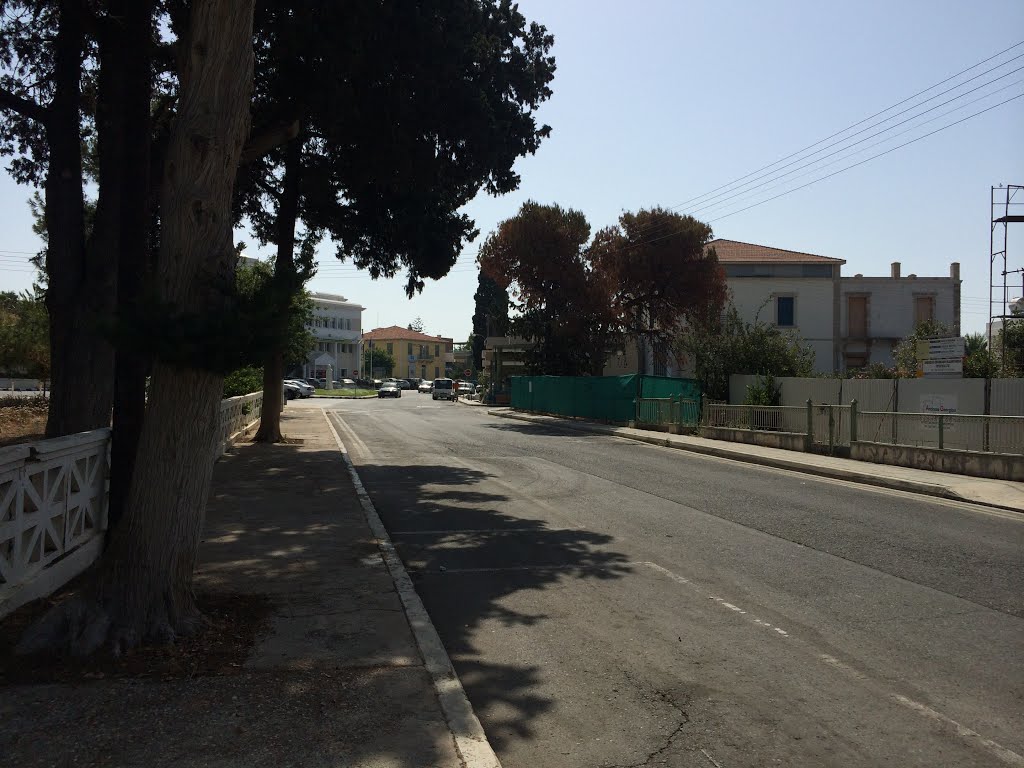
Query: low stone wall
{"x": 999, "y": 466}
{"x": 790, "y": 441}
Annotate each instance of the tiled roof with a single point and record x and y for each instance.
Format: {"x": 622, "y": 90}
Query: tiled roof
{"x": 735, "y": 252}
{"x": 398, "y": 333}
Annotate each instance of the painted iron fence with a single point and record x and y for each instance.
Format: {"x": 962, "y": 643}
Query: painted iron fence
{"x": 679, "y": 412}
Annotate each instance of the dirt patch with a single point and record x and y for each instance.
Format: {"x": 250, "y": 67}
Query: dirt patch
{"x": 234, "y": 623}
{"x": 22, "y": 419}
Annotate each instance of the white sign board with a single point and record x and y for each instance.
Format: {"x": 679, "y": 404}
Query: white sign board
{"x": 946, "y": 348}
{"x": 938, "y": 403}
{"x": 953, "y": 367}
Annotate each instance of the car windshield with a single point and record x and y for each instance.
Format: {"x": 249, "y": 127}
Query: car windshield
{"x": 443, "y": 383}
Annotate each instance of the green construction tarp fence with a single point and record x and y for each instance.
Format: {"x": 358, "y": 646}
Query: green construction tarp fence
{"x": 606, "y": 398}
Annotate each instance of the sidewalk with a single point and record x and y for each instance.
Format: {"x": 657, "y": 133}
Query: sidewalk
{"x": 996, "y": 493}
{"x": 334, "y": 678}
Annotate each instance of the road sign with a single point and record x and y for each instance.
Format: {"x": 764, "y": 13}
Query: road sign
{"x": 468, "y": 372}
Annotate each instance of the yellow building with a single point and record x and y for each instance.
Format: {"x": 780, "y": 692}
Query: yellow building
{"x": 417, "y": 355}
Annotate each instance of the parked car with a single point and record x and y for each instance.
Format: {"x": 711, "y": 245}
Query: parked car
{"x": 350, "y": 383}
{"x": 314, "y": 383}
{"x": 443, "y": 389}
{"x": 304, "y": 387}
{"x": 389, "y": 389}
{"x": 465, "y": 388}
{"x": 291, "y": 391}
{"x": 425, "y": 387}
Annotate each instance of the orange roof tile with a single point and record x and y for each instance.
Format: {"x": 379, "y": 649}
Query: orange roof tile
{"x": 398, "y": 333}
{"x": 735, "y": 252}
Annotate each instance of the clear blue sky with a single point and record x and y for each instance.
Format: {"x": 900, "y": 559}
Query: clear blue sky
{"x": 657, "y": 102}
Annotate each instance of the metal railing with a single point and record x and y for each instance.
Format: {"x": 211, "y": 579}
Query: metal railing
{"x": 946, "y": 431}
{"x": 762, "y": 418}
{"x": 668, "y": 412}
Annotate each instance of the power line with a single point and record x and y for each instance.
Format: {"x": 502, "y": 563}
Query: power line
{"x": 704, "y": 206}
{"x": 873, "y": 157}
{"x": 841, "y": 170}
{"x": 870, "y": 117}
{"x": 768, "y": 185}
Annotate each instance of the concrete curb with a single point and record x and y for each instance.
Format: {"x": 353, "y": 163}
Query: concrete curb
{"x": 470, "y": 739}
{"x": 342, "y": 397}
{"x": 794, "y": 465}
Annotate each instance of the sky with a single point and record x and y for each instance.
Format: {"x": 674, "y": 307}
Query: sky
{"x": 658, "y": 102}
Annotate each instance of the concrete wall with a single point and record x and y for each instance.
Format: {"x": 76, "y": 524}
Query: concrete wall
{"x": 790, "y": 441}
{"x": 20, "y": 384}
{"x": 994, "y": 465}
{"x": 813, "y": 309}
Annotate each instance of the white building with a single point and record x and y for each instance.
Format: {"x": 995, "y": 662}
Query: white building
{"x": 794, "y": 291}
{"x": 877, "y": 312}
{"x": 337, "y": 325}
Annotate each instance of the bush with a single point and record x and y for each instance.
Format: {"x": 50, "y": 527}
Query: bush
{"x": 243, "y": 381}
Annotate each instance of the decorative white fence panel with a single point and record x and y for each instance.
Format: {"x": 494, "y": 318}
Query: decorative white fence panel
{"x": 53, "y": 505}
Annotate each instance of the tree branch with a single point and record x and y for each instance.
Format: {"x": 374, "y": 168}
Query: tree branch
{"x": 267, "y": 139}
{"x": 24, "y": 107}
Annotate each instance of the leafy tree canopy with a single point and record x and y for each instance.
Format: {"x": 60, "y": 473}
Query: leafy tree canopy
{"x": 732, "y": 345}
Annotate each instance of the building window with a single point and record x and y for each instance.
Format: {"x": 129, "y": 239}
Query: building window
{"x": 437, "y": 372}
{"x": 348, "y": 324}
{"x": 857, "y": 317}
{"x": 391, "y": 350}
{"x": 785, "y": 311}
{"x": 924, "y": 309}
{"x": 437, "y": 350}
{"x": 410, "y": 347}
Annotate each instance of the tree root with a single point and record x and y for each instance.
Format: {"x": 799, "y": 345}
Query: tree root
{"x": 112, "y": 619}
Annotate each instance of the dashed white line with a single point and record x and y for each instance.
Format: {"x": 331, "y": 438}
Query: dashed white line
{"x": 998, "y": 750}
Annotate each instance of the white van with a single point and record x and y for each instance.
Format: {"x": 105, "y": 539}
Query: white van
{"x": 444, "y": 389}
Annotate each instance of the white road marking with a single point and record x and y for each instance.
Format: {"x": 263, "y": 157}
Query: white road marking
{"x": 998, "y": 750}
{"x": 358, "y": 444}
{"x": 473, "y": 531}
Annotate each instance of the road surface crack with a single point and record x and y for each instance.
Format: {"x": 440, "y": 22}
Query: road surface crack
{"x": 652, "y": 757}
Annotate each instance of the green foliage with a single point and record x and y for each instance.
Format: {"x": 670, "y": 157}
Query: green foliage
{"x": 718, "y": 350}
{"x": 416, "y": 325}
{"x": 906, "y": 351}
{"x": 979, "y": 361}
{"x": 1010, "y": 344}
{"x": 376, "y": 358}
{"x": 24, "y": 335}
{"x": 260, "y": 317}
{"x": 243, "y": 381}
{"x": 874, "y": 371}
{"x": 764, "y": 391}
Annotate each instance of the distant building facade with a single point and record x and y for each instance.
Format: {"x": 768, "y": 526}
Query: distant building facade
{"x": 417, "y": 355}
{"x": 337, "y": 327}
{"x": 877, "y": 312}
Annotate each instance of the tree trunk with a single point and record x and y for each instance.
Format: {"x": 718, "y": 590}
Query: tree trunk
{"x": 80, "y": 293}
{"x": 133, "y": 20}
{"x": 143, "y": 587}
{"x": 285, "y": 286}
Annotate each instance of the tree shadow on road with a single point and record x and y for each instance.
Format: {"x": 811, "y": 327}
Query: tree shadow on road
{"x": 468, "y": 552}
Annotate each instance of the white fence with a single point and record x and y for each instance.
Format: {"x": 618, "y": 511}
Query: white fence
{"x": 53, "y": 505}
{"x": 1005, "y": 397}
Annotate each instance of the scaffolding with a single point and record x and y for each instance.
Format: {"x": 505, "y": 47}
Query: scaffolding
{"x": 1004, "y": 200}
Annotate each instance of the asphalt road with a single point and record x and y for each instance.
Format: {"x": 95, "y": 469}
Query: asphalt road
{"x": 610, "y": 603}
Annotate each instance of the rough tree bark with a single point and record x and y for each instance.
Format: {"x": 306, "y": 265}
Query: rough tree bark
{"x": 143, "y": 586}
{"x": 129, "y": 46}
{"x": 79, "y": 298}
{"x": 285, "y": 284}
